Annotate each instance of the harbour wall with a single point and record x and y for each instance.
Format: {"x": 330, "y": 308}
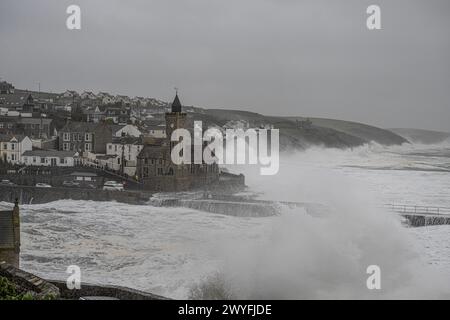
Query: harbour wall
{"x": 35, "y": 195}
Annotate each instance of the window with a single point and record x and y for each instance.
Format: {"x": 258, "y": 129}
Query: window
{"x": 66, "y": 136}
{"x": 43, "y": 160}
{"x": 87, "y": 147}
{"x": 110, "y": 146}
{"x": 87, "y": 137}
{"x": 34, "y": 159}
{"x": 66, "y": 146}
{"x": 13, "y": 157}
{"x": 13, "y": 146}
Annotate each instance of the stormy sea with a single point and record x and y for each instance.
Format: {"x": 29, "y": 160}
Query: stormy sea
{"x": 186, "y": 253}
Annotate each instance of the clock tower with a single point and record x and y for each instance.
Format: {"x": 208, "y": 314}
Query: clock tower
{"x": 175, "y": 119}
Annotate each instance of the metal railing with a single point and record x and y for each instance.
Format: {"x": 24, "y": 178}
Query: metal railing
{"x": 415, "y": 209}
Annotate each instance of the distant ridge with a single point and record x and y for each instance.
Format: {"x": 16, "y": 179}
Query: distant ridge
{"x": 322, "y": 132}
{"x": 365, "y": 132}
{"x": 421, "y": 135}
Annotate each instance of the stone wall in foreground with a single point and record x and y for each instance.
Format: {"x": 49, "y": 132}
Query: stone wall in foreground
{"x": 35, "y": 195}
{"x": 44, "y": 289}
{"x": 92, "y": 290}
{"x": 28, "y": 282}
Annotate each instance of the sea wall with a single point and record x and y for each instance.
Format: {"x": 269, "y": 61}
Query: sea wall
{"x": 35, "y": 195}
{"x": 417, "y": 220}
{"x": 230, "y": 208}
{"x": 92, "y": 290}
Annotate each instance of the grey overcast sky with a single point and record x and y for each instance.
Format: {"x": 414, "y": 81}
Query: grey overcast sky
{"x": 276, "y": 57}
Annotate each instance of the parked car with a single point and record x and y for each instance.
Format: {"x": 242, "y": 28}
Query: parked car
{"x": 6, "y": 182}
{"x": 43, "y": 185}
{"x": 113, "y": 185}
{"x": 71, "y": 184}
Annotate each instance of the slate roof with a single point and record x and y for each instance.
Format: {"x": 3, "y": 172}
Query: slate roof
{"x": 15, "y": 99}
{"x": 79, "y": 127}
{"x": 49, "y": 153}
{"x": 35, "y": 120}
{"x": 9, "y": 137}
{"x": 128, "y": 140}
{"x": 83, "y": 174}
{"x": 155, "y": 152}
{"x": 176, "y": 104}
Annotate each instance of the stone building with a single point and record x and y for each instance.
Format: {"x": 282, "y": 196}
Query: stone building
{"x": 10, "y": 236}
{"x": 28, "y": 126}
{"x": 155, "y": 168}
{"x": 85, "y": 137}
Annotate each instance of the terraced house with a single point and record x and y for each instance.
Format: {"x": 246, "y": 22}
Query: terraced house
{"x": 84, "y": 137}
{"x": 47, "y": 158}
{"x": 12, "y": 147}
{"x": 27, "y": 126}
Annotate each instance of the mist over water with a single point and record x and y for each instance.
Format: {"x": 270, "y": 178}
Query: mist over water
{"x": 305, "y": 257}
{"x": 294, "y": 255}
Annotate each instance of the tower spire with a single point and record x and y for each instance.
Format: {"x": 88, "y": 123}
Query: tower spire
{"x": 176, "y": 104}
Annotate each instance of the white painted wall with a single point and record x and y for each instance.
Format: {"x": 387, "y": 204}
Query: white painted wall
{"x": 12, "y": 150}
{"x": 46, "y": 161}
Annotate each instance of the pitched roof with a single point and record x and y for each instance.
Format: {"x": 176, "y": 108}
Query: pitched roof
{"x": 35, "y": 120}
{"x": 157, "y": 128}
{"x": 9, "y": 137}
{"x": 79, "y": 127}
{"x": 155, "y": 152}
{"x": 49, "y": 153}
{"x": 176, "y": 104}
{"x": 116, "y": 127}
{"x": 128, "y": 140}
{"x": 15, "y": 99}
{"x": 83, "y": 174}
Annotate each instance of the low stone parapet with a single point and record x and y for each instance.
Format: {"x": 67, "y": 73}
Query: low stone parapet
{"x": 40, "y": 288}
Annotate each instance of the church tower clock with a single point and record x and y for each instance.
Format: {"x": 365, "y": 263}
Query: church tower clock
{"x": 175, "y": 119}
